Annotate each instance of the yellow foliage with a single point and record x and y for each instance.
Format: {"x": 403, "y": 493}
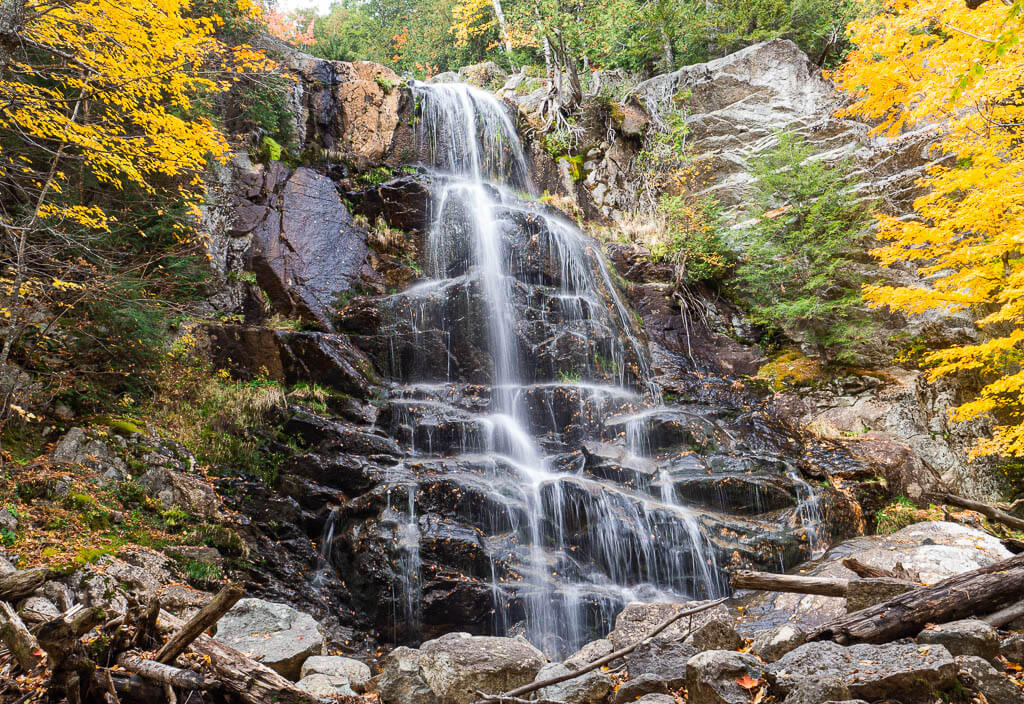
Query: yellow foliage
{"x": 471, "y": 18}
{"x": 937, "y": 62}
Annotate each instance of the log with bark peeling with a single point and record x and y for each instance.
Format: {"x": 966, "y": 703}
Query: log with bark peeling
{"x": 990, "y": 512}
{"x": 867, "y": 571}
{"x": 247, "y": 679}
{"x": 981, "y": 591}
{"x": 21, "y": 583}
{"x": 15, "y": 634}
{"x": 769, "y": 581}
{"x": 197, "y": 625}
{"x": 159, "y": 672}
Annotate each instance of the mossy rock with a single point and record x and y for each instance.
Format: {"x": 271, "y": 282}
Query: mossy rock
{"x": 124, "y": 427}
{"x": 791, "y": 369}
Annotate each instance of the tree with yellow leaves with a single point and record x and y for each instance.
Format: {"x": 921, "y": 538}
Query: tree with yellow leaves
{"x": 960, "y": 69}
{"x": 103, "y": 113}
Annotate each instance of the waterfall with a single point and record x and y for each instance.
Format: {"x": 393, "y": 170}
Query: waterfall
{"x": 543, "y": 473}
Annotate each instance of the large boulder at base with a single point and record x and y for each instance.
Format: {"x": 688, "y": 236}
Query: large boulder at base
{"x": 664, "y": 659}
{"x": 585, "y": 689}
{"x": 594, "y": 650}
{"x": 773, "y": 643}
{"x": 642, "y": 686}
{"x": 715, "y": 635}
{"x": 188, "y": 493}
{"x": 926, "y": 552}
{"x": 713, "y": 677}
{"x": 308, "y": 249}
{"x": 830, "y": 688}
{"x": 450, "y": 669}
{"x": 892, "y": 670}
{"x": 636, "y": 620}
{"x": 353, "y": 671}
{"x": 978, "y": 675}
{"x": 966, "y": 637}
{"x": 280, "y": 637}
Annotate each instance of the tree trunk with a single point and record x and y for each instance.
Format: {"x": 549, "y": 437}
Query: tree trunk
{"x": 21, "y": 583}
{"x": 666, "y": 45}
{"x": 159, "y": 672}
{"x": 12, "y": 19}
{"x": 206, "y": 617}
{"x": 989, "y": 512}
{"x": 980, "y": 591}
{"x": 18, "y": 639}
{"x": 767, "y": 581}
{"x": 506, "y": 40}
{"x": 862, "y": 570}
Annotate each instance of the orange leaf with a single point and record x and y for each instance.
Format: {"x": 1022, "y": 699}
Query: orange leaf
{"x": 747, "y": 682}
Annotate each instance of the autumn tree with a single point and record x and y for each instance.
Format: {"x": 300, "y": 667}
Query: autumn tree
{"x": 105, "y": 134}
{"x": 939, "y": 62}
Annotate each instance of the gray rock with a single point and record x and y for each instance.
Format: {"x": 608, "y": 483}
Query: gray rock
{"x": 978, "y": 675}
{"x": 280, "y": 637}
{"x": 870, "y": 671}
{"x": 450, "y": 669}
{"x": 355, "y": 672}
{"x": 594, "y": 686}
{"x": 58, "y": 593}
{"x": 664, "y": 659}
{"x": 177, "y": 489}
{"x": 6, "y": 566}
{"x": 966, "y": 637}
{"x": 657, "y": 699}
{"x": 1012, "y": 648}
{"x": 711, "y": 677}
{"x": 594, "y": 650}
{"x": 636, "y": 620}
{"x": 100, "y": 590}
{"x": 715, "y": 635}
{"x": 325, "y": 685}
{"x": 863, "y": 593}
{"x": 37, "y": 609}
{"x": 640, "y": 687}
{"x": 772, "y": 644}
{"x": 818, "y": 691}
{"x": 8, "y": 521}
{"x": 78, "y": 447}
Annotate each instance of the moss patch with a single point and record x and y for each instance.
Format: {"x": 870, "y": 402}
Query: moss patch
{"x": 791, "y": 369}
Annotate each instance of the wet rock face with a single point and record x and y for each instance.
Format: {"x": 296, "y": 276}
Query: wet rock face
{"x": 276, "y": 634}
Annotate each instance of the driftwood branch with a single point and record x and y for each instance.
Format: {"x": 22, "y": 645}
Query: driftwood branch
{"x": 21, "y": 583}
{"x": 15, "y": 634}
{"x": 867, "y": 571}
{"x": 513, "y": 696}
{"x": 980, "y": 591}
{"x": 248, "y": 680}
{"x": 197, "y": 625}
{"x": 990, "y": 512}
{"x": 159, "y": 672}
{"x": 1004, "y": 616}
{"x": 768, "y": 581}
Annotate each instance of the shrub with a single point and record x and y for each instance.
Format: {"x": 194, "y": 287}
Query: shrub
{"x": 692, "y": 239}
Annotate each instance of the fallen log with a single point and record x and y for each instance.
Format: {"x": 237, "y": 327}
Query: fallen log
{"x": 247, "y": 679}
{"x": 129, "y": 687}
{"x": 19, "y": 640}
{"x": 866, "y": 571}
{"x": 1004, "y": 616}
{"x": 165, "y": 674}
{"x": 21, "y": 583}
{"x": 771, "y": 582}
{"x": 514, "y": 696}
{"x": 980, "y": 591}
{"x": 990, "y": 512}
{"x": 197, "y": 625}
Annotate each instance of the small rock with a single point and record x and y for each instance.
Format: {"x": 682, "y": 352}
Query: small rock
{"x": 594, "y": 650}
{"x": 325, "y": 686}
{"x": 37, "y": 609}
{"x": 1012, "y": 648}
{"x": 177, "y": 489}
{"x": 280, "y": 637}
{"x": 818, "y": 691}
{"x": 62, "y": 412}
{"x": 772, "y": 644}
{"x": 591, "y": 687}
{"x": 356, "y": 673}
{"x": 715, "y": 635}
{"x": 863, "y": 593}
{"x": 711, "y": 677}
{"x": 58, "y": 593}
{"x": 8, "y": 521}
{"x": 978, "y": 675}
{"x": 180, "y": 598}
{"x": 657, "y": 699}
{"x": 642, "y": 687}
{"x": 966, "y": 637}
{"x": 6, "y": 566}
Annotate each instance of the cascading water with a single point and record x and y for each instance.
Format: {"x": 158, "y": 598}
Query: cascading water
{"x": 545, "y": 484}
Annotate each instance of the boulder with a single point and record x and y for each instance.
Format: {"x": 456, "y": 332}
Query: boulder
{"x": 325, "y": 685}
{"x": 711, "y": 677}
{"x": 642, "y": 686}
{"x": 8, "y": 521}
{"x": 636, "y": 620}
{"x": 309, "y": 249}
{"x": 773, "y": 643}
{"x": 594, "y": 650}
{"x": 966, "y": 637}
{"x": 450, "y": 669}
{"x": 87, "y": 450}
{"x": 978, "y": 675}
{"x": 715, "y": 635}
{"x": 1012, "y": 648}
{"x": 487, "y": 75}
{"x": 280, "y": 637}
{"x": 892, "y": 670}
{"x": 37, "y": 609}
{"x": 818, "y": 691}
{"x": 355, "y": 672}
{"x": 664, "y": 659}
{"x": 594, "y": 686}
{"x": 657, "y": 699}
{"x": 188, "y": 493}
